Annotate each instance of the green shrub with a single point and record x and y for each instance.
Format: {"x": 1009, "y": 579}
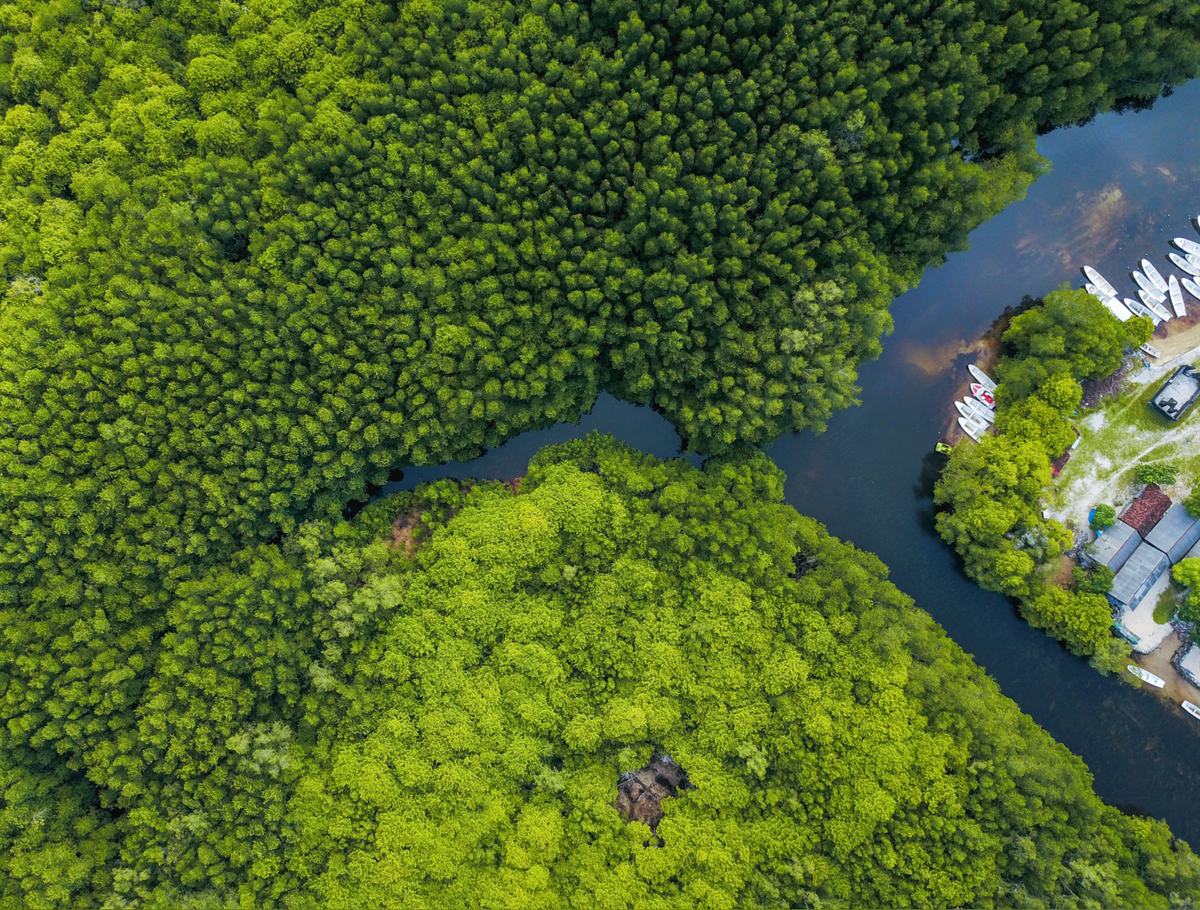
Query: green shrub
{"x": 1104, "y": 517}
{"x": 1156, "y": 472}
{"x": 1097, "y": 580}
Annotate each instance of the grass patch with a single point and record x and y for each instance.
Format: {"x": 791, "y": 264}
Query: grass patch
{"x": 1168, "y": 603}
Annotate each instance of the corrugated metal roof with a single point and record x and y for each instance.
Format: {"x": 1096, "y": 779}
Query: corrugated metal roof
{"x": 1174, "y": 527}
{"x": 1141, "y": 566}
{"x": 1114, "y": 546}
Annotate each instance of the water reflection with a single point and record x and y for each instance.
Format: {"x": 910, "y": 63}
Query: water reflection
{"x": 1117, "y": 192}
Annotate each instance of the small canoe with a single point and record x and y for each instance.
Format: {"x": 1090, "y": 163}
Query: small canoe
{"x": 975, "y": 410}
{"x": 1138, "y": 310}
{"x": 1146, "y": 676}
{"x": 1099, "y": 281}
{"x": 1117, "y": 308}
{"x": 981, "y": 377}
{"x": 1176, "y": 297}
{"x": 1191, "y": 287}
{"x": 983, "y": 394}
{"x": 1148, "y": 287}
{"x": 1183, "y": 264}
{"x": 1188, "y": 246}
{"x": 1155, "y": 306}
{"x": 1151, "y": 350}
{"x": 972, "y": 429}
{"x": 1191, "y": 709}
{"x": 1153, "y": 274}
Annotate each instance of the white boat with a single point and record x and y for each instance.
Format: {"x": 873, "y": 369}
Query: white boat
{"x": 1176, "y": 297}
{"x": 1188, "y": 246}
{"x": 1154, "y": 275}
{"x": 972, "y": 429}
{"x": 981, "y": 377}
{"x": 1117, "y": 308}
{"x": 1193, "y": 259}
{"x": 1183, "y": 264}
{"x": 1191, "y": 709}
{"x": 978, "y": 405}
{"x": 1146, "y": 676}
{"x": 1148, "y": 286}
{"x": 974, "y": 410}
{"x": 1155, "y": 306}
{"x": 1138, "y": 310}
{"x": 1151, "y": 350}
{"x": 1191, "y": 287}
{"x": 983, "y": 394}
{"x": 1099, "y": 281}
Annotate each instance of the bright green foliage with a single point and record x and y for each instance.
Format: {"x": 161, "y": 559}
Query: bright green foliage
{"x": 355, "y": 727}
{"x": 255, "y": 255}
{"x": 1156, "y": 472}
{"x": 1104, "y": 516}
{"x": 1097, "y": 580}
{"x": 1192, "y": 503}
{"x": 994, "y": 488}
{"x": 1187, "y": 573}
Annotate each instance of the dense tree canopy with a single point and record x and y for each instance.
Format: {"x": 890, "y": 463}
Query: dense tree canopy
{"x": 342, "y": 721}
{"x": 255, "y": 255}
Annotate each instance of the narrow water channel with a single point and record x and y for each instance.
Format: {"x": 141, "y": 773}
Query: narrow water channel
{"x": 1121, "y": 188}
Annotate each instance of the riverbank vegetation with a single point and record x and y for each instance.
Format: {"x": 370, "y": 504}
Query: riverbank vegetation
{"x": 993, "y": 491}
{"x": 340, "y": 720}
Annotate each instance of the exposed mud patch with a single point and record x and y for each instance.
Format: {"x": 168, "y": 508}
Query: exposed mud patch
{"x": 640, "y": 793}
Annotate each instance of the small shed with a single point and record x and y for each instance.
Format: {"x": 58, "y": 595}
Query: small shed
{"x": 1145, "y": 511}
{"x": 1138, "y": 576}
{"x": 1178, "y": 392}
{"x": 1114, "y": 547}
{"x": 1176, "y": 533}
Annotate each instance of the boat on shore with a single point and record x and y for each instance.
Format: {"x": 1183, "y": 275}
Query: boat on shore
{"x": 1138, "y": 310}
{"x": 1155, "y": 306}
{"x": 1183, "y": 264}
{"x": 1151, "y": 350}
{"x": 1099, "y": 280}
{"x": 1148, "y": 287}
{"x": 974, "y": 410}
{"x": 1188, "y": 246}
{"x": 972, "y": 428}
{"x": 1191, "y": 287}
{"x": 1191, "y": 709}
{"x": 1176, "y": 297}
{"x": 1112, "y": 304}
{"x": 1146, "y": 676}
{"x": 983, "y": 394}
{"x": 981, "y": 377}
{"x": 1154, "y": 275}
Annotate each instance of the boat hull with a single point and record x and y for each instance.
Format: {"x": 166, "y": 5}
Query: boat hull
{"x": 976, "y": 410}
{"x": 1188, "y": 246}
{"x": 1099, "y": 281}
{"x": 1138, "y": 310}
{"x": 1146, "y": 676}
{"x": 983, "y": 394}
{"x": 1148, "y": 287}
{"x": 1176, "y": 297}
{"x": 1154, "y": 275}
{"x": 971, "y": 429}
{"x": 1191, "y": 287}
{"x": 1155, "y": 306}
{"x": 1182, "y": 264}
{"x": 1191, "y": 709}
{"x": 981, "y": 377}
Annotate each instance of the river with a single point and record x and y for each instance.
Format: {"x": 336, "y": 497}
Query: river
{"x": 1120, "y": 188}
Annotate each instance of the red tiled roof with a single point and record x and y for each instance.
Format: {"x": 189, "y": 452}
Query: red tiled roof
{"x": 1145, "y": 511}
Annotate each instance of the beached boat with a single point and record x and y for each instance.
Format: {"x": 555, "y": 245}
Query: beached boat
{"x": 1191, "y": 287}
{"x": 975, "y": 410}
{"x": 1148, "y": 286}
{"x": 1151, "y": 350}
{"x": 1183, "y": 264}
{"x": 1138, "y": 310}
{"x": 1193, "y": 259}
{"x": 1117, "y": 308}
{"x": 971, "y": 428}
{"x": 983, "y": 394}
{"x": 1099, "y": 281}
{"x": 1188, "y": 246}
{"x": 1154, "y": 275}
{"x": 1146, "y": 676}
{"x": 1191, "y": 709}
{"x": 1176, "y": 297}
{"x": 1155, "y": 306}
{"x": 981, "y": 377}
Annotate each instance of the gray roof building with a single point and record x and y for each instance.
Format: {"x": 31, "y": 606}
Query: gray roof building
{"x": 1138, "y": 576}
{"x": 1178, "y": 392}
{"x": 1114, "y": 547}
{"x": 1176, "y": 533}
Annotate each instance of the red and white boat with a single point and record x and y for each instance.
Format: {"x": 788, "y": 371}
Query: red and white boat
{"x": 983, "y": 394}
